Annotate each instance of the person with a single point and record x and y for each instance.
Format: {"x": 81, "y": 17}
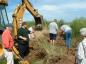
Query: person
{"x": 32, "y": 32}
{"x": 81, "y": 50}
{"x": 53, "y": 27}
{"x": 67, "y": 30}
{"x": 8, "y": 44}
{"x": 23, "y": 40}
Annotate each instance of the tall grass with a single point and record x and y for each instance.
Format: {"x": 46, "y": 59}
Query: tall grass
{"x": 76, "y": 25}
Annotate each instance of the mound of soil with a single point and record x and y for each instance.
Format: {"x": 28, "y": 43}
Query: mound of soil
{"x": 41, "y": 54}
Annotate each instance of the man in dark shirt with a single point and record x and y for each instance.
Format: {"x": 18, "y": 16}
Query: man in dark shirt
{"x": 23, "y": 40}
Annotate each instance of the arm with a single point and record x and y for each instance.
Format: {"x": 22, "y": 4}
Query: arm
{"x": 11, "y": 42}
{"x": 56, "y": 27}
{"x": 23, "y": 38}
{"x": 80, "y": 52}
{"x": 5, "y": 40}
{"x": 20, "y": 35}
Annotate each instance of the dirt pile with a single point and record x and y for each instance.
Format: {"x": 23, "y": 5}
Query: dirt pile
{"x": 44, "y": 53}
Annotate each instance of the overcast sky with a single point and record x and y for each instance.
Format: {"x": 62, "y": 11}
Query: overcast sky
{"x": 50, "y": 9}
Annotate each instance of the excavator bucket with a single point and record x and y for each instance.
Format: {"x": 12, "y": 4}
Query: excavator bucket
{"x": 39, "y": 22}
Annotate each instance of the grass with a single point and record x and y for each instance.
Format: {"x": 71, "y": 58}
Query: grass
{"x": 3, "y": 62}
{"x": 76, "y": 25}
{"x": 46, "y": 51}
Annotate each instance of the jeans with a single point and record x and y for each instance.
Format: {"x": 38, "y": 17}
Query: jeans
{"x": 9, "y": 56}
{"x": 68, "y": 39}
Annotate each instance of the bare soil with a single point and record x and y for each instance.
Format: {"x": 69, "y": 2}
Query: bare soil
{"x": 39, "y": 54}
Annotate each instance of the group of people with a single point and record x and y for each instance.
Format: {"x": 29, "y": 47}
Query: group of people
{"x": 67, "y": 31}
{"x": 64, "y": 29}
{"x": 24, "y": 34}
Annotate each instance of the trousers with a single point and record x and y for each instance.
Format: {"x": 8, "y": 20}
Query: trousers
{"x": 23, "y": 50}
{"x": 68, "y": 39}
{"x": 9, "y": 56}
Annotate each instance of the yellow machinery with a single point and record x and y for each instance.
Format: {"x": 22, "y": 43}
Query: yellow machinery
{"x": 19, "y": 12}
{"x": 3, "y": 2}
{"x": 1, "y": 50}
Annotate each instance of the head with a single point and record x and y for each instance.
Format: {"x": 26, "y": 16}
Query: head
{"x": 24, "y": 24}
{"x": 10, "y": 27}
{"x": 55, "y": 20}
{"x": 83, "y": 32}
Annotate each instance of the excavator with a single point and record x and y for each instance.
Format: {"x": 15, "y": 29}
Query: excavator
{"x": 17, "y": 19}
{"x": 19, "y": 12}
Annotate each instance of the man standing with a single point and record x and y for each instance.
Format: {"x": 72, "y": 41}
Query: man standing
{"x": 8, "y": 43}
{"x": 66, "y": 29}
{"x": 32, "y": 32}
{"x": 23, "y": 40}
{"x": 53, "y": 32}
{"x": 81, "y": 52}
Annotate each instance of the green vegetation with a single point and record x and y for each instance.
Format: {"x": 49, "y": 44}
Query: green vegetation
{"x": 60, "y": 22}
{"x": 76, "y": 25}
{"x": 3, "y": 61}
{"x": 30, "y": 23}
{"x": 1, "y": 26}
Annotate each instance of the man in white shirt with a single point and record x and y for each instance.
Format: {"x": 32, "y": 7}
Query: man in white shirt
{"x": 66, "y": 29}
{"x": 53, "y": 32}
{"x": 81, "y": 52}
{"x": 32, "y": 32}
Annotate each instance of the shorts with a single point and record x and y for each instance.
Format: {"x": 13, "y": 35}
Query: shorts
{"x": 53, "y": 36}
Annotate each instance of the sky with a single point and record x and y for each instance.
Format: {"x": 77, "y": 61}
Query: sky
{"x": 52, "y": 9}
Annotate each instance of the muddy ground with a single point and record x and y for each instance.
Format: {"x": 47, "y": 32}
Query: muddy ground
{"x": 49, "y": 54}
{"x": 42, "y": 52}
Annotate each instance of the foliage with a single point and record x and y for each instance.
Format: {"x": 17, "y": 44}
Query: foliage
{"x": 60, "y": 22}
{"x": 76, "y": 25}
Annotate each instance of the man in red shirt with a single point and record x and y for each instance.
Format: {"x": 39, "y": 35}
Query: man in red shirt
{"x": 8, "y": 43}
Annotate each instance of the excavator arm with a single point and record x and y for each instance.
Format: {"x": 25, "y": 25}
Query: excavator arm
{"x": 38, "y": 18}
{"x": 19, "y": 12}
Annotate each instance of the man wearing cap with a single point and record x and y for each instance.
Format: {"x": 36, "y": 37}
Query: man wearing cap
{"x": 81, "y": 50}
{"x": 8, "y": 43}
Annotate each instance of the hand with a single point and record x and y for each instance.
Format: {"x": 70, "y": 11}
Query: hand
{"x": 24, "y": 38}
{"x": 10, "y": 49}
